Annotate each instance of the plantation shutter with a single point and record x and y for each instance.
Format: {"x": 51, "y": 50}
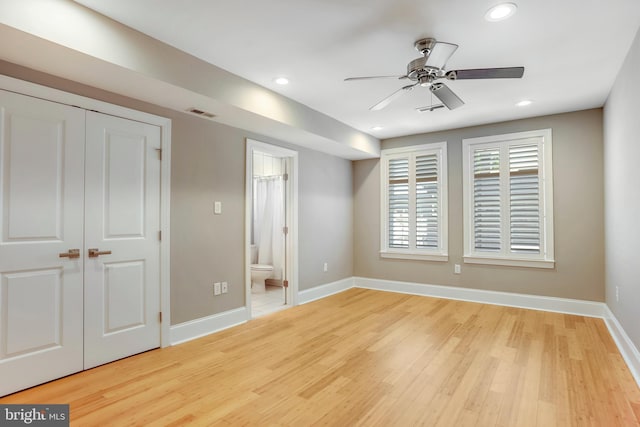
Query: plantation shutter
{"x": 427, "y": 201}
{"x": 524, "y": 199}
{"x": 413, "y": 185}
{"x": 486, "y": 199}
{"x": 508, "y": 199}
{"x": 398, "y": 213}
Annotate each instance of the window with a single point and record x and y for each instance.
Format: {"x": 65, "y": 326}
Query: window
{"x": 414, "y": 203}
{"x": 508, "y": 199}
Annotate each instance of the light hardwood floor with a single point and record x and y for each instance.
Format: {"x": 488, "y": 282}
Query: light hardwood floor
{"x": 365, "y": 357}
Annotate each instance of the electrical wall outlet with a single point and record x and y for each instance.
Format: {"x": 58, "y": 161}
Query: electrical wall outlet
{"x": 325, "y": 267}
{"x": 456, "y": 269}
{"x": 216, "y": 288}
{"x": 225, "y": 287}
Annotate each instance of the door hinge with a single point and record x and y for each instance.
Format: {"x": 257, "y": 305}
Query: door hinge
{"x": 160, "y": 316}
{"x": 285, "y": 230}
{"x": 285, "y": 177}
{"x": 159, "y": 150}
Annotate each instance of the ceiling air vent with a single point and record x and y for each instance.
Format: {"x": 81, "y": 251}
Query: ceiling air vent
{"x": 201, "y": 113}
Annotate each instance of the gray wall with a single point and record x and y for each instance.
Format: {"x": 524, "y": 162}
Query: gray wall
{"x": 326, "y": 215}
{"x": 622, "y": 190}
{"x": 578, "y": 215}
{"x": 208, "y": 163}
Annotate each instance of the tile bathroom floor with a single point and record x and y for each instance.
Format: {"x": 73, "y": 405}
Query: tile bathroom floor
{"x": 269, "y": 302}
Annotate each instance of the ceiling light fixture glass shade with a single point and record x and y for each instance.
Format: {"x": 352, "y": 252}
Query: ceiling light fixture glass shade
{"x": 377, "y": 128}
{"x": 281, "y": 80}
{"x": 524, "y": 103}
{"x": 500, "y": 12}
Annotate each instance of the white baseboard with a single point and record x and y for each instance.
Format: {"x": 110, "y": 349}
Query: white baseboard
{"x": 628, "y": 350}
{"x": 198, "y": 328}
{"x": 324, "y": 291}
{"x": 534, "y": 302}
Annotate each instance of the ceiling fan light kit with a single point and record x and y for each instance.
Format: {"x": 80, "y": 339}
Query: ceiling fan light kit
{"x": 424, "y": 71}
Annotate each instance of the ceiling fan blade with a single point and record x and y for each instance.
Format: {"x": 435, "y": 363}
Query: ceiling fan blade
{"x": 440, "y": 54}
{"x": 446, "y": 95}
{"x": 380, "y": 105}
{"x": 486, "y": 73}
{"x": 348, "y": 79}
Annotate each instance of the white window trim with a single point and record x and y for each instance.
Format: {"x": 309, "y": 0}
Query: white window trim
{"x": 440, "y": 254}
{"x": 546, "y": 257}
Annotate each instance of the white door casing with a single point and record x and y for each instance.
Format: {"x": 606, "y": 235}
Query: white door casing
{"x": 291, "y": 212}
{"x": 122, "y": 216}
{"x": 41, "y": 216}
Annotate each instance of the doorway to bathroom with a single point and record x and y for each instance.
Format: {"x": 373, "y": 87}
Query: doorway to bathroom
{"x": 271, "y": 228}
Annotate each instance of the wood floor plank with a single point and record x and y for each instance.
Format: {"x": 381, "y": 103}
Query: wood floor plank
{"x": 367, "y": 358}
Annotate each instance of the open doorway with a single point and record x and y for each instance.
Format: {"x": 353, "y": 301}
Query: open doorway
{"x": 271, "y": 277}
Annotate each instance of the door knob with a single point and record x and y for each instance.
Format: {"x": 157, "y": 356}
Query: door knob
{"x": 94, "y": 253}
{"x": 73, "y": 253}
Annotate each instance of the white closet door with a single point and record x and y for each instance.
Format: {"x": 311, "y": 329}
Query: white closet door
{"x": 41, "y": 217}
{"x": 122, "y": 221}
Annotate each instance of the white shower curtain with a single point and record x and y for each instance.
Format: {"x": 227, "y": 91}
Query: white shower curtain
{"x": 268, "y": 222}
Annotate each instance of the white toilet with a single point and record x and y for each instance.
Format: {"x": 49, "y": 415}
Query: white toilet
{"x": 259, "y": 272}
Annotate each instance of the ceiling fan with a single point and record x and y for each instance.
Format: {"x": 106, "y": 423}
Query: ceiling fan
{"x": 424, "y": 71}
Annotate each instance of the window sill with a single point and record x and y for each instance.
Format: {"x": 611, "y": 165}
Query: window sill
{"x": 511, "y": 262}
{"x": 415, "y": 256}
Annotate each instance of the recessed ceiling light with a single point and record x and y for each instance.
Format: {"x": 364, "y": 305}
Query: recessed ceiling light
{"x": 524, "y": 103}
{"x": 281, "y": 81}
{"x": 500, "y": 12}
{"x": 377, "y": 128}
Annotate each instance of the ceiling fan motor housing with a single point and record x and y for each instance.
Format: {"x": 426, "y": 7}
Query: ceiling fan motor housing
{"x": 424, "y": 46}
{"x": 417, "y": 70}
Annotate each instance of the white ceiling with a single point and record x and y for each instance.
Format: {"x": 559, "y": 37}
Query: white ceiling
{"x": 571, "y": 50}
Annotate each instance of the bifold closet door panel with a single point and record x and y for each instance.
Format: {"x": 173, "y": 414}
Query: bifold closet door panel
{"x": 41, "y": 240}
{"x": 122, "y": 224}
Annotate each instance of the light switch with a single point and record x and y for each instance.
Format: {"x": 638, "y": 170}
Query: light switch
{"x": 217, "y": 208}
